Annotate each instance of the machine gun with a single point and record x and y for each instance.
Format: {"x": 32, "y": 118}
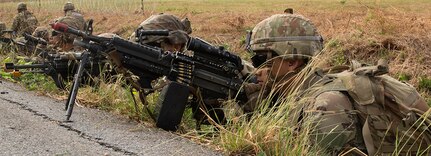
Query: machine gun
{"x": 27, "y": 46}
{"x": 60, "y": 67}
{"x": 212, "y": 71}
{"x": 28, "y": 37}
{"x": 34, "y": 40}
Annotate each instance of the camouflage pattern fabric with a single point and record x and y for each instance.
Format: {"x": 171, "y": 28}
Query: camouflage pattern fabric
{"x": 21, "y": 6}
{"x": 179, "y": 28}
{"x": 24, "y": 22}
{"x": 68, "y": 6}
{"x": 2, "y": 27}
{"x": 42, "y": 32}
{"x": 352, "y": 109}
{"x": 69, "y": 10}
{"x": 295, "y": 37}
{"x": 71, "y": 22}
{"x": 334, "y": 123}
{"x": 78, "y": 16}
{"x": 359, "y": 108}
{"x": 289, "y": 35}
{"x": 64, "y": 41}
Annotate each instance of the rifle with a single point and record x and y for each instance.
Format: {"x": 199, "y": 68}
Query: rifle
{"x": 58, "y": 66}
{"x": 34, "y": 40}
{"x": 213, "y": 70}
{"x": 30, "y": 44}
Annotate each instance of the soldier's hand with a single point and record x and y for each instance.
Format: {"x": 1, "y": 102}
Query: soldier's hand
{"x": 262, "y": 75}
{"x": 251, "y": 88}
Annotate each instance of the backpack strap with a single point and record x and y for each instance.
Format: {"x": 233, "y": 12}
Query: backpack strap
{"x": 368, "y": 139}
{"x": 364, "y": 92}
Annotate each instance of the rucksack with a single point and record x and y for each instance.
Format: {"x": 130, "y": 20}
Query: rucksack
{"x": 390, "y": 112}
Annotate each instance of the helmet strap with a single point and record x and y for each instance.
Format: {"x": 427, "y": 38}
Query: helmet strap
{"x": 248, "y": 41}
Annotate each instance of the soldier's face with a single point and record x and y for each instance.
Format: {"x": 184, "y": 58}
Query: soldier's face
{"x": 281, "y": 67}
{"x": 262, "y": 75}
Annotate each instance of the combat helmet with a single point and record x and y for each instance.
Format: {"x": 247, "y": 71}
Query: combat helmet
{"x": 21, "y": 6}
{"x": 288, "y": 35}
{"x": 179, "y": 29}
{"x": 68, "y": 6}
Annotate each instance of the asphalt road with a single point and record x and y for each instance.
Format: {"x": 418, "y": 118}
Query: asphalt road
{"x": 33, "y": 125}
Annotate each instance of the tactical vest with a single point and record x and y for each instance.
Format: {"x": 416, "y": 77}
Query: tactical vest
{"x": 386, "y": 109}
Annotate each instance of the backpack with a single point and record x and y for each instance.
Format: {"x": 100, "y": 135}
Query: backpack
{"x": 390, "y": 112}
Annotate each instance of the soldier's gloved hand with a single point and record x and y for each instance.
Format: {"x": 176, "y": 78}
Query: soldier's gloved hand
{"x": 252, "y": 102}
{"x": 251, "y": 88}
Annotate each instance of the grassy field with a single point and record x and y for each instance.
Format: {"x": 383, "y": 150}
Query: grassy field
{"x": 365, "y": 30}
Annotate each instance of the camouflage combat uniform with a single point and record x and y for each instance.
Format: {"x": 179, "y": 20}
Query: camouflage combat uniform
{"x": 25, "y": 21}
{"x": 179, "y": 29}
{"x": 69, "y": 10}
{"x": 295, "y": 37}
{"x": 2, "y": 26}
{"x": 328, "y": 102}
{"x": 42, "y": 32}
{"x": 66, "y": 39}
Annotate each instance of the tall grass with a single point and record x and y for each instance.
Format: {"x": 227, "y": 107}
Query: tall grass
{"x": 273, "y": 128}
{"x": 285, "y": 128}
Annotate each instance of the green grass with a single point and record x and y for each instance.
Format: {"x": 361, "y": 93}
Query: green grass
{"x": 38, "y": 82}
{"x": 404, "y": 77}
{"x": 425, "y": 84}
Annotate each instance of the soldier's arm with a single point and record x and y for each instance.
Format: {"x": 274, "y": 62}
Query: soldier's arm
{"x": 421, "y": 104}
{"x": 15, "y": 24}
{"x": 333, "y": 125}
{"x": 37, "y": 21}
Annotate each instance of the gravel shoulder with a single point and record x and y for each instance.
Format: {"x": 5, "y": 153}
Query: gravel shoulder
{"x": 33, "y": 125}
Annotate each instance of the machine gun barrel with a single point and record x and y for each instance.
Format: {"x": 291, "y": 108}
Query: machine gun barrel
{"x": 12, "y": 66}
{"x": 89, "y": 46}
{"x": 141, "y": 32}
{"x": 65, "y": 28}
